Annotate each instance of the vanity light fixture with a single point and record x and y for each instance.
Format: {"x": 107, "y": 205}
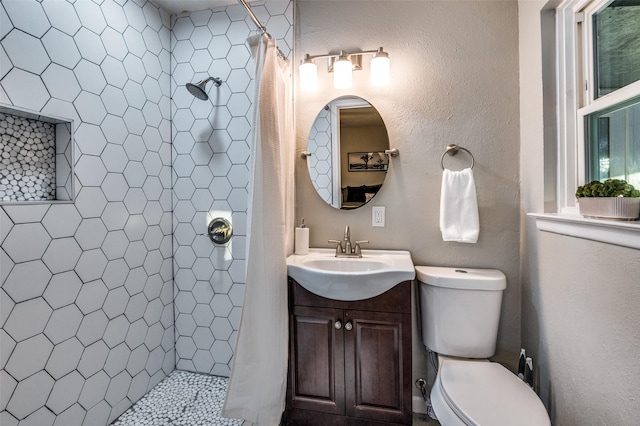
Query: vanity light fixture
{"x": 380, "y": 69}
{"x": 343, "y": 72}
{"x": 308, "y": 75}
{"x": 342, "y": 65}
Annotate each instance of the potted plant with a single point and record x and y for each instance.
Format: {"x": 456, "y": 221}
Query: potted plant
{"x": 612, "y": 199}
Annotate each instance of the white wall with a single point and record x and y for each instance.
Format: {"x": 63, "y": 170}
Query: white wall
{"x": 579, "y": 298}
{"x": 454, "y": 69}
{"x": 86, "y": 297}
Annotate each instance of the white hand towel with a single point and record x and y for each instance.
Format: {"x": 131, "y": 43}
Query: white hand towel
{"x": 459, "y": 207}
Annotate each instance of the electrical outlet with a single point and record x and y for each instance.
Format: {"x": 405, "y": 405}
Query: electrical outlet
{"x": 377, "y": 216}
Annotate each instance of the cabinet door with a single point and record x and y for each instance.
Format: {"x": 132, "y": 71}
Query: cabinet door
{"x": 316, "y": 370}
{"x": 378, "y": 366}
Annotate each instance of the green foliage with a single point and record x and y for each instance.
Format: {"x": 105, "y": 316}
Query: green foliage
{"x": 608, "y": 188}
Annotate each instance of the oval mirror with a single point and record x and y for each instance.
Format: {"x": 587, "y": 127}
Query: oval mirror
{"x": 346, "y": 152}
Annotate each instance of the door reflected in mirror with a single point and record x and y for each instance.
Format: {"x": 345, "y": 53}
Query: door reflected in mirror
{"x": 347, "y": 162}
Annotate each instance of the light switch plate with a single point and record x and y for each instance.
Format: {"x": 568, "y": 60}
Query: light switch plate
{"x": 377, "y": 216}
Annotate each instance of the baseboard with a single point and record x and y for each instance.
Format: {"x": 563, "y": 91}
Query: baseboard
{"x": 295, "y": 417}
{"x": 418, "y": 405}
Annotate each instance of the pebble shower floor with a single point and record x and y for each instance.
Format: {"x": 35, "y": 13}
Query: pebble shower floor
{"x": 182, "y": 399}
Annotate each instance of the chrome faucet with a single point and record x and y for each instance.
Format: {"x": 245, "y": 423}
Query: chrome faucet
{"x": 348, "y": 250}
{"x": 347, "y": 239}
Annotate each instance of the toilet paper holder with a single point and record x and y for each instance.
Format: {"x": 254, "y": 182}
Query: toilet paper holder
{"x": 220, "y": 230}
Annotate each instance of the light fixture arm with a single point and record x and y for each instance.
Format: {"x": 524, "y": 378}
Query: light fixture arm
{"x": 342, "y": 52}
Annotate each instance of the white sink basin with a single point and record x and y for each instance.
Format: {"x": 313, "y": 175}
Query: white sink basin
{"x": 347, "y": 278}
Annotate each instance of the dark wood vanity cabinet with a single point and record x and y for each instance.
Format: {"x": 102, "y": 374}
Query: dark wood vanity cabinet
{"x": 349, "y": 362}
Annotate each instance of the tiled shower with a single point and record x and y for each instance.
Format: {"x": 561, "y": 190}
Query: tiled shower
{"x": 210, "y": 175}
{"x": 102, "y": 297}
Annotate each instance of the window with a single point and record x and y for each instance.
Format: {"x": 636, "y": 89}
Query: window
{"x": 615, "y": 45}
{"x": 597, "y": 67}
{"x": 612, "y": 132}
{"x": 598, "y": 55}
{"x": 613, "y": 143}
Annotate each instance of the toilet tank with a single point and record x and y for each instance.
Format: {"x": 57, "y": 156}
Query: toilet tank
{"x": 460, "y": 309}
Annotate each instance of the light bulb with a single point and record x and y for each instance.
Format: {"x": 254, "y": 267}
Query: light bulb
{"x": 308, "y": 75}
{"x": 342, "y": 72}
{"x": 380, "y": 69}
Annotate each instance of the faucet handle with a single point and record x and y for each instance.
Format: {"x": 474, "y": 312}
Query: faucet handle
{"x": 357, "y": 249}
{"x": 338, "y": 246}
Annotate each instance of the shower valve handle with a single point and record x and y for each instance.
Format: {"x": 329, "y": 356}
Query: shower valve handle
{"x": 219, "y": 230}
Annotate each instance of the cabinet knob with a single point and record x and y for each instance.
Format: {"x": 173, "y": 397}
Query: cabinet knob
{"x": 348, "y": 326}
{"x": 338, "y": 325}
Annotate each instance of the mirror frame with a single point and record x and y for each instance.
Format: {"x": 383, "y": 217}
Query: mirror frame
{"x": 334, "y": 107}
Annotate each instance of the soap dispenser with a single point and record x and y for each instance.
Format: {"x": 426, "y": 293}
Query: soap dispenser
{"x": 302, "y": 239}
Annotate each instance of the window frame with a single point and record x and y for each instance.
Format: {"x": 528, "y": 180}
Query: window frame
{"x": 575, "y": 94}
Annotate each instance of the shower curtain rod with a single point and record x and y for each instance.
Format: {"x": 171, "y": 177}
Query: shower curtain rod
{"x": 261, "y": 27}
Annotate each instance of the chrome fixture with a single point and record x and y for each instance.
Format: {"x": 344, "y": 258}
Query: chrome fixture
{"x": 220, "y": 230}
{"x": 422, "y": 385}
{"x": 348, "y": 250}
{"x": 197, "y": 89}
{"x": 342, "y": 65}
{"x": 261, "y": 27}
{"x": 393, "y": 152}
{"x": 452, "y": 150}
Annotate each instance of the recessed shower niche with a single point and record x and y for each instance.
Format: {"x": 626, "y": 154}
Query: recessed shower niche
{"x": 36, "y": 157}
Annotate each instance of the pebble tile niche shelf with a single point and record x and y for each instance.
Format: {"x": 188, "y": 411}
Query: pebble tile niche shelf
{"x": 35, "y": 157}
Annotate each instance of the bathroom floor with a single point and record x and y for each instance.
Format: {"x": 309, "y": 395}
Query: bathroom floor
{"x": 424, "y": 420}
{"x": 191, "y": 399}
{"x": 182, "y": 399}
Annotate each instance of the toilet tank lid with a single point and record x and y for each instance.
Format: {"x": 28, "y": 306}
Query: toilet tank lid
{"x": 462, "y": 278}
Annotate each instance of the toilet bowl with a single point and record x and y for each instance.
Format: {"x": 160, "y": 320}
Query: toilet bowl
{"x": 479, "y": 392}
{"x": 460, "y": 310}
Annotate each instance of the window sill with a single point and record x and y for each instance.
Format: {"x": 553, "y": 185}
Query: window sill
{"x": 625, "y": 234}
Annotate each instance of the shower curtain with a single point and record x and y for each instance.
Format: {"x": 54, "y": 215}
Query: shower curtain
{"x": 257, "y": 385}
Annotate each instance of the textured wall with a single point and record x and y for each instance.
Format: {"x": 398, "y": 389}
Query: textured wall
{"x": 579, "y": 298}
{"x": 582, "y": 318}
{"x": 454, "y": 68}
{"x": 86, "y": 304}
{"x": 210, "y": 174}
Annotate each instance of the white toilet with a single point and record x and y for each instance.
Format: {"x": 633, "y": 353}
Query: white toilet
{"x": 460, "y": 314}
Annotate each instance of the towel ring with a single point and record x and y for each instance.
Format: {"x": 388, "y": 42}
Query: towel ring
{"x": 453, "y": 150}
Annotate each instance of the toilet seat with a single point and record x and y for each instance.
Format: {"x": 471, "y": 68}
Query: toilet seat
{"x": 482, "y": 393}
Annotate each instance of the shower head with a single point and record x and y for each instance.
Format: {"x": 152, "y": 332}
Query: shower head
{"x": 197, "y": 90}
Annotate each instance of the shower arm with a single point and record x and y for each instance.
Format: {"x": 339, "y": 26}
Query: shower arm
{"x": 215, "y": 80}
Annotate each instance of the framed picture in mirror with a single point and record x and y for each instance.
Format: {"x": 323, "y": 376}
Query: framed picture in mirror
{"x": 368, "y": 161}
